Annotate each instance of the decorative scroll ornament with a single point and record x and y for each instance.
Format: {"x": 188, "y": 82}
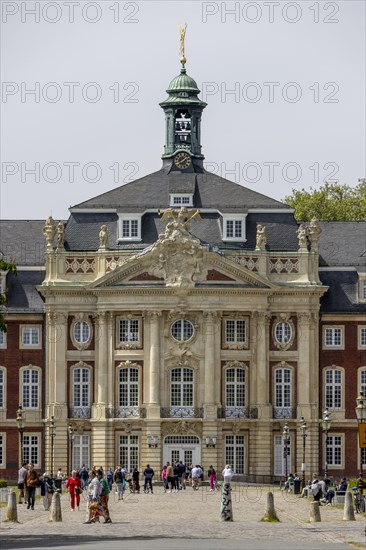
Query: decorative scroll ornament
{"x": 177, "y": 256}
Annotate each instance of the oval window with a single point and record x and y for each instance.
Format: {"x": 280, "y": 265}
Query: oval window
{"x": 81, "y": 332}
{"x": 182, "y": 330}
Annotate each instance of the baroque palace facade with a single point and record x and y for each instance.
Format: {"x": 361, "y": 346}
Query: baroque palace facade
{"x": 183, "y": 316}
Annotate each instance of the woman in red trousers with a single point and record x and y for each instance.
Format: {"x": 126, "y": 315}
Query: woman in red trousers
{"x": 73, "y": 484}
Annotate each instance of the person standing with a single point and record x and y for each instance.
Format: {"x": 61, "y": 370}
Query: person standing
{"x": 47, "y": 489}
{"x": 73, "y": 484}
{"x": 118, "y": 480}
{"x": 212, "y": 477}
{"x": 136, "y": 480}
{"x": 22, "y": 472}
{"x": 104, "y": 497}
{"x": 164, "y": 479}
{"x": 94, "y": 507}
{"x": 149, "y": 474}
{"x": 110, "y": 478}
{"x": 169, "y": 476}
{"x": 31, "y": 483}
{"x": 84, "y": 476}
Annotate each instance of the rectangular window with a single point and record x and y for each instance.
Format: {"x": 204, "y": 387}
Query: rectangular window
{"x": 235, "y": 452}
{"x": 30, "y": 389}
{"x": 129, "y": 451}
{"x": 2, "y": 451}
{"x": 30, "y": 336}
{"x": 178, "y": 200}
{"x": 31, "y": 449}
{"x": 235, "y": 331}
{"x": 363, "y": 381}
{"x": 81, "y": 451}
{"x": 333, "y": 389}
{"x": 362, "y": 289}
{"x": 130, "y": 227}
{"x": 361, "y": 337}
{"x": 128, "y": 387}
{"x": 280, "y": 456}
{"x": 2, "y": 339}
{"x": 363, "y": 455}
{"x": 334, "y": 450}
{"x": 333, "y": 337}
{"x": 128, "y": 331}
{"x": 283, "y": 388}
{"x": 234, "y": 227}
{"x": 181, "y": 388}
{"x": 81, "y": 388}
{"x": 2, "y": 388}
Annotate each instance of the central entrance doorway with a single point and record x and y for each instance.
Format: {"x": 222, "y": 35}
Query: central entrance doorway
{"x": 186, "y": 448}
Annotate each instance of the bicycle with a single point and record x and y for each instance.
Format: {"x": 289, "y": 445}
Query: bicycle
{"x": 360, "y": 501}
{"x": 195, "y": 483}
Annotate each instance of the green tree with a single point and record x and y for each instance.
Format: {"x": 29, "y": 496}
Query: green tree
{"x": 331, "y": 202}
{"x": 5, "y": 266}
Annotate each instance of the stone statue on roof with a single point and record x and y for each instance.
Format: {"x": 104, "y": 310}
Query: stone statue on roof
{"x": 60, "y": 235}
{"x": 314, "y": 233}
{"x": 261, "y": 239}
{"x": 103, "y": 238}
{"x": 302, "y": 237}
{"x": 49, "y": 231}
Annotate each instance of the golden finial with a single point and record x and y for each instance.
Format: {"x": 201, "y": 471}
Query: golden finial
{"x": 182, "y": 30}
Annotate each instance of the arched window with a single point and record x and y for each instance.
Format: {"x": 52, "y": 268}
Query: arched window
{"x": 333, "y": 388}
{"x": 181, "y": 387}
{"x": 128, "y": 387}
{"x": 235, "y": 387}
{"x": 81, "y": 387}
{"x": 30, "y": 388}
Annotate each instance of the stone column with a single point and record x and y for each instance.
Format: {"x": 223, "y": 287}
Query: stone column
{"x": 262, "y": 371}
{"x": 253, "y": 343}
{"x": 154, "y": 371}
{"x": 110, "y": 360}
{"x": 60, "y": 364}
{"x": 305, "y": 382}
{"x": 209, "y": 399}
{"x": 101, "y": 367}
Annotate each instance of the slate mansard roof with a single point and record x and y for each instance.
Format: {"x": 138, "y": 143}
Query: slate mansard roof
{"x": 215, "y": 196}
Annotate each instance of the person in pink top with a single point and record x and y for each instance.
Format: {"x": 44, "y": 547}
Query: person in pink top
{"x": 73, "y": 484}
{"x": 164, "y": 478}
{"x": 212, "y": 476}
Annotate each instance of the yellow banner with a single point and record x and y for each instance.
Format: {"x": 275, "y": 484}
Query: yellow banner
{"x": 362, "y": 435}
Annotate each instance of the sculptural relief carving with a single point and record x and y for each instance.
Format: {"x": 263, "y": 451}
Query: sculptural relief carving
{"x": 60, "y": 235}
{"x": 177, "y": 256}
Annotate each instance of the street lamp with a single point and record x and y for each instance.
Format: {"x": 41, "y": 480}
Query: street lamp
{"x": 152, "y": 441}
{"x": 21, "y": 423}
{"x": 52, "y": 433}
{"x": 361, "y": 419}
{"x": 71, "y": 430}
{"x": 303, "y": 429}
{"x": 326, "y": 427}
{"x": 286, "y": 441}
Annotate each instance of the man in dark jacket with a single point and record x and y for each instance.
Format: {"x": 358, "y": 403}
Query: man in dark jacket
{"x": 31, "y": 482}
{"x": 149, "y": 474}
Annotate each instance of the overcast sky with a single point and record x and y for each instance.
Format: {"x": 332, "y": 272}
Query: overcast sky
{"x": 294, "y": 118}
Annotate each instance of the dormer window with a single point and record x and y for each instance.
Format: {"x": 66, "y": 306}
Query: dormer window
{"x": 129, "y": 227}
{"x": 234, "y": 228}
{"x": 181, "y": 199}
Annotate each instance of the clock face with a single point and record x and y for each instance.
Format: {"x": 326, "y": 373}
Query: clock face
{"x": 182, "y": 160}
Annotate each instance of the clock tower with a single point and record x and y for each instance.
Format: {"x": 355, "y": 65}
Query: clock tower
{"x": 183, "y": 111}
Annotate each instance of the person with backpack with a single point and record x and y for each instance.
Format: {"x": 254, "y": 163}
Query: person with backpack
{"x": 104, "y": 496}
{"x": 95, "y": 508}
{"x": 118, "y": 479}
{"x": 316, "y": 489}
{"x": 149, "y": 474}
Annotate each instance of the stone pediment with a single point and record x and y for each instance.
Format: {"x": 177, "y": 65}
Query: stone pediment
{"x": 179, "y": 260}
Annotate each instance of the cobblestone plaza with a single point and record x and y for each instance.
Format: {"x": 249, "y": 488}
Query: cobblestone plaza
{"x": 192, "y": 516}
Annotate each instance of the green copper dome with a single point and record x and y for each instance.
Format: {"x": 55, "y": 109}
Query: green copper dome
{"x": 183, "y": 83}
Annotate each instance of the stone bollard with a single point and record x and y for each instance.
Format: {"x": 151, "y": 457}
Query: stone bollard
{"x": 226, "y": 509}
{"x": 56, "y": 508}
{"x": 348, "y": 510}
{"x": 314, "y": 512}
{"x": 270, "y": 512}
{"x": 11, "y": 511}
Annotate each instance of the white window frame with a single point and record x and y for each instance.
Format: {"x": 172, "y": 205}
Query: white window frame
{"x": 362, "y": 379}
{"x": 175, "y": 197}
{"x": 131, "y": 446}
{"x": 81, "y": 451}
{"x": 330, "y": 404}
{"x": 3, "y": 448}
{"x": 183, "y": 385}
{"x": 332, "y": 328}
{"x": 3, "y": 340}
{"x": 331, "y": 464}
{"x": 232, "y": 458}
{"x": 81, "y": 324}
{"x": 129, "y": 217}
{"x": 130, "y": 385}
{"x": 131, "y": 341}
{"x": 234, "y": 218}
{"x": 239, "y": 395}
{"x": 26, "y": 435}
{"x": 361, "y": 337}
{"x": 282, "y": 386}
{"x": 22, "y": 329}
{"x": 3, "y": 388}
{"x": 236, "y": 341}
{"x": 81, "y": 385}
{"x": 31, "y": 385}
{"x": 180, "y": 323}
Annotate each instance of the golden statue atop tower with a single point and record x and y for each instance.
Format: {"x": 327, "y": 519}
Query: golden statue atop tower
{"x": 182, "y": 30}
